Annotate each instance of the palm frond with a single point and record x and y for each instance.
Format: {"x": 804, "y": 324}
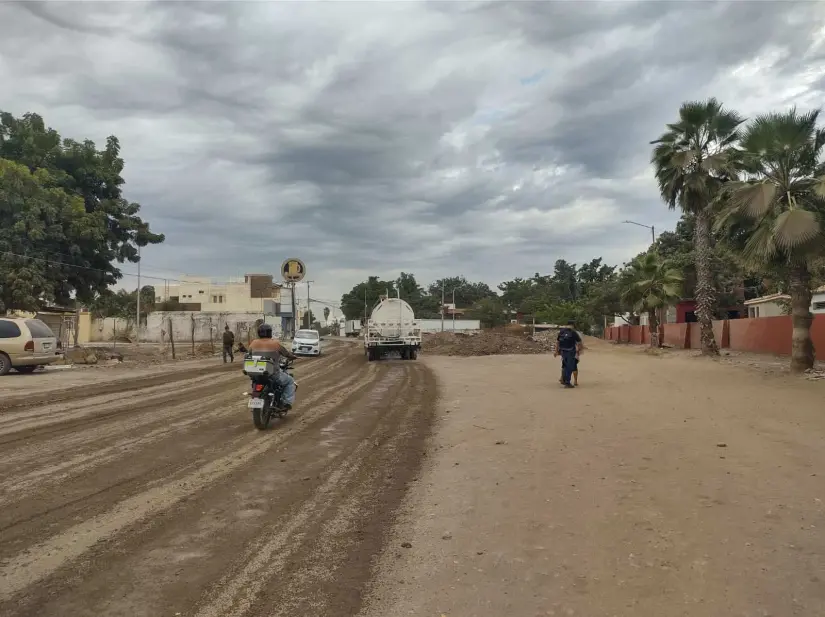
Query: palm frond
{"x": 795, "y": 229}
{"x": 819, "y": 186}
{"x": 760, "y": 247}
{"x": 754, "y": 200}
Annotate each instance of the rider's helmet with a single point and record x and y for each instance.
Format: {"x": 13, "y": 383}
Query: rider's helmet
{"x": 264, "y": 331}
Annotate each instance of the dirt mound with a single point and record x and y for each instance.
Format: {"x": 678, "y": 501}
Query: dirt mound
{"x": 484, "y": 343}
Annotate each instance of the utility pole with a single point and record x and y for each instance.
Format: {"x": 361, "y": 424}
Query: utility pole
{"x": 309, "y": 312}
{"x": 453, "y": 310}
{"x": 137, "y": 323}
{"x": 442, "y": 305}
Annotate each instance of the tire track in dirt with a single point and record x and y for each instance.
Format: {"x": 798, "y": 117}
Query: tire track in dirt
{"x": 159, "y": 562}
{"x": 121, "y": 384}
{"x": 42, "y": 559}
{"x": 57, "y": 419}
{"x": 311, "y": 535}
{"x": 105, "y": 480}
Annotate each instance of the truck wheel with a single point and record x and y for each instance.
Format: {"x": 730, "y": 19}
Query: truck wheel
{"x": 413, "y": 354}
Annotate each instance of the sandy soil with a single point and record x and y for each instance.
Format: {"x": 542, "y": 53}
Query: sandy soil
{"x": 149, "y": 493}
{"x": 664, "y": 486}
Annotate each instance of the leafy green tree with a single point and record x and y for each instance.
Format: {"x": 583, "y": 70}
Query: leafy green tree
{"x": 491, "y": 312}
{"x": 326, "y": 314}
{"x": 37, "y": 220}
{"x": 650, "y": 284}
{"x": 112, "y": 229}
{"x": 693, "y": 160}
{"x": 467, "y": 293}
{"x": 308, "y": 321}
{"x": 517, "y": 293}
{"x": 360, "y": 300}
{"x": 778, "y": 209}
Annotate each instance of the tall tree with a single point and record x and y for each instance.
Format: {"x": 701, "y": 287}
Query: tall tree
{"x": 650, "y": 284}
{"x": 93, "y": 175}
{"x": 360, "y": 300}
{"x": 326, "y": 314}
{"x": 693, "y": 159}
{"x": 467, "y": 293}
{"x": 780, "y": 207}
{"x": 491, "y": 312}
{"x": 37, "y": 221}
{"x": 308, "y": 320}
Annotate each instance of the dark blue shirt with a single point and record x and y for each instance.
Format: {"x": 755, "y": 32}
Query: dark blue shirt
{"x": 568, "y": 339}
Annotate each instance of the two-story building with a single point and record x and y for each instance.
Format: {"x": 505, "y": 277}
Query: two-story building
{"x": 252, "y": 293}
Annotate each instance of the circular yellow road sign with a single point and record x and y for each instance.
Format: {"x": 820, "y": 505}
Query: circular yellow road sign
{"x": 293, "y": 270}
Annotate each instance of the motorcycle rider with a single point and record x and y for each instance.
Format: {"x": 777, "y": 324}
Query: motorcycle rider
{"x": 268, "y": 347}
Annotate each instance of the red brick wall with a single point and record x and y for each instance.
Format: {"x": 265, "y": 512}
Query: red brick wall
{"x": 761, "y": 335}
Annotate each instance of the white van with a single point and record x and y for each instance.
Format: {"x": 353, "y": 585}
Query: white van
{"x": 26, "y": 344}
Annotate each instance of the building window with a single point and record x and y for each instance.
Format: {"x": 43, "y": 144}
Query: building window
{"x": 214, "y": 299}
{"x": 220, "y": 299}
{"x": 753, "y": 311}
{"x": 819, "y": 306}
{"x": 200, "y": 291}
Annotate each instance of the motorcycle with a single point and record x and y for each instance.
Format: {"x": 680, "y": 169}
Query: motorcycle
{"x": 264, "y": 396}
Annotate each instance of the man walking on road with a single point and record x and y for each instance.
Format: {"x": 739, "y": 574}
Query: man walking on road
{"x": 228, "y": 344}
{"x": 569, "y": 346}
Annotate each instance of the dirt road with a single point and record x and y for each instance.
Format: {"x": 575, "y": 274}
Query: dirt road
{"x": 663, "y": 487}
{"x": 150, "y": 493}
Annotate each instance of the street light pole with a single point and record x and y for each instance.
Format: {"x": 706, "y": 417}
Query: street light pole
{"x": 650, "y": 227}
{"x": 309, "y": 312}
{"x": 442, "y": 306}
{"x": 453, "y": 310}
{"x": 137, "y": 324}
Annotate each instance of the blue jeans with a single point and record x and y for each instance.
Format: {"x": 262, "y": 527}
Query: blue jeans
{"x": 285, "y": 380}
{"x": 569, "y": 363}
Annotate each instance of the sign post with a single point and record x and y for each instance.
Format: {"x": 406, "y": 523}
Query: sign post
{"x": 293, "y": 270}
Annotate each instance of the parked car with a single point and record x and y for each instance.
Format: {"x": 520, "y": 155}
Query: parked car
{"x": 307, "y": 343}
{"x": 26, "y": 344}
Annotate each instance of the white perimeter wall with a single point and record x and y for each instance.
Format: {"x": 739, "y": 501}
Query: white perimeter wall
{"x": 184, "y": 326}
{"x": 461, "y": 325}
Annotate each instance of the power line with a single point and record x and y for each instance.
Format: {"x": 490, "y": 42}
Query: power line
{"x": 89, "y": 268}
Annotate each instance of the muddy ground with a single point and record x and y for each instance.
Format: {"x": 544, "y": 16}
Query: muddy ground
{"x": 664, "y": 486}
{"x": 149, "y": 493}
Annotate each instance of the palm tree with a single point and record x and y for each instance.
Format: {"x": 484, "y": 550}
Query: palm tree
{"x": 649, "y": 284}
{"x": 693, "y": 160}
{"x": 778, "y": 211}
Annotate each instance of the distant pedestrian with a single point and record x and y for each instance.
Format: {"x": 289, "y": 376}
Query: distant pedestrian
{"x": 228, "y": 344}
{"x": 569, "y": 346}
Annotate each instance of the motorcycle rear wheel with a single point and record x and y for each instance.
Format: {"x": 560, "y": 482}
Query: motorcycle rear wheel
{"x": 260, "y": 418}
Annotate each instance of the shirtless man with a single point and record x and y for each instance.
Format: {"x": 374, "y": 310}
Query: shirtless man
{"x": 271, "y": 348}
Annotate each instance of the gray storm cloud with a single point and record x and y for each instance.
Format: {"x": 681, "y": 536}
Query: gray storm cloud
{"x": 487, "y": 139}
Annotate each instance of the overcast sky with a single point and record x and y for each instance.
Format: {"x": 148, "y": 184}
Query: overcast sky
{"x": 484, "y": 139}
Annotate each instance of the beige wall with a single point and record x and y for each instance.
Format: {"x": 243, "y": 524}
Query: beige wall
{"x": 765, "y": 309}
{"x": 215, "y": 297}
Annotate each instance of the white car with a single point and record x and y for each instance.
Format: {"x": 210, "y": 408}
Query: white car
{"x": 307, "y": 343}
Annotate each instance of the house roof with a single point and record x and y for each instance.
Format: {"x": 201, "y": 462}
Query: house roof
{"x": 768, "y": 298}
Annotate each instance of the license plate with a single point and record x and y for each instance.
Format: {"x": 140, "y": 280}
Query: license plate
{"x": 256, "y": 403}
{"x": 47, "y": 345}
{"x": 306, "y": 348}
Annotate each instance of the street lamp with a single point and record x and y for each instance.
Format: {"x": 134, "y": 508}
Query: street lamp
{"x": 650, "y": 227}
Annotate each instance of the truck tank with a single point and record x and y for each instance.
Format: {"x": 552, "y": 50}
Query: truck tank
{"x": 393, "y": 317}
